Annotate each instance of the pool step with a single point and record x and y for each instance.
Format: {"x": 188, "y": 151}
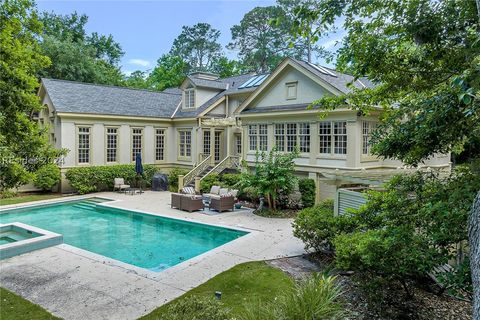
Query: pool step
{"x": 86, "y": 205}
{"x": 94, "y": 200}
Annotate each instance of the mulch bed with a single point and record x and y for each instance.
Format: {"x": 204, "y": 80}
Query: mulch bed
{"x": 386, "y": 305}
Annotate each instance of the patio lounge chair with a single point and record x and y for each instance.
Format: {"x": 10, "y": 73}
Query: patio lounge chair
{"x": 214, "y": 191}
{"x": 187, "y": 202}
{"x": 119, "y": 184}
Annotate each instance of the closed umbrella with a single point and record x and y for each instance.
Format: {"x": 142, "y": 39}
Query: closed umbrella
{"x": 139, "y": 168}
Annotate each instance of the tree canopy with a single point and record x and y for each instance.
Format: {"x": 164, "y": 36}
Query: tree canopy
{"x": 77, "y": 56}
{"x": 24, "y": 146}
{"x": 198, "y": 46}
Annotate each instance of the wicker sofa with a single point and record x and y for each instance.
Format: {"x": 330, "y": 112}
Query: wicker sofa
{"x": 187, "y": 202}
{"x": 222, "y": 203}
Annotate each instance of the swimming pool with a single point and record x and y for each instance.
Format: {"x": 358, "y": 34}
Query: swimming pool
{"x": 143, "y": 240}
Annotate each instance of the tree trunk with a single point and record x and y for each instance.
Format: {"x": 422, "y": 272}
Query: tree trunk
{"x": 474, "y": 241}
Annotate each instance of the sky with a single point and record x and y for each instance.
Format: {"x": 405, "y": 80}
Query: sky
{"x": 146, "y": 29}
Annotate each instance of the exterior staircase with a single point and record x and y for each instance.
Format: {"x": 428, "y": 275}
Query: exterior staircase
{"x": 204, "y": 168}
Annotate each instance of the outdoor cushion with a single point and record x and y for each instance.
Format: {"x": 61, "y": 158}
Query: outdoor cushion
{"x": 215, "y": 190}
{"x": 215, "y": 196}
{"x": 234, "y": 192}
{"x": 188, "y": 190}
{"x": 226, "y": 195}
{"x": 223, "y": 191}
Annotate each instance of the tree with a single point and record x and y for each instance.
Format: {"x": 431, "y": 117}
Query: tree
{"x": 261, "y": 45}
{"x": 424, "y": 56}
{"x": 77, "y": 56}
{"x": 311, "y": 33}
{"x": 137, "y": 79}
{"x": 273, "y": 175}
{"x": 24, "y": 146}
{"x": 198, "y": 46}
{"x": 474, "y": 240}
{"x": 225, "y": 67}
{"x": 169, "y": 72}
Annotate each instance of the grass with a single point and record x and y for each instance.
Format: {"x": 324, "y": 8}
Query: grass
{"x": 13, "y": 307}
{"x": 244, "y": 283}
{"x": 28, "y": 198}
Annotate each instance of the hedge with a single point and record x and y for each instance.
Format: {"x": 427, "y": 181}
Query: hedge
{"x": 100, "y": 178}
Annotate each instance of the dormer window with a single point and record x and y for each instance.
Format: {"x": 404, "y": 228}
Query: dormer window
{"x": 189, "y": 99}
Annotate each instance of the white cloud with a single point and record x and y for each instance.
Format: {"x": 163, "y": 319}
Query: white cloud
{"x": 139, "y": 62}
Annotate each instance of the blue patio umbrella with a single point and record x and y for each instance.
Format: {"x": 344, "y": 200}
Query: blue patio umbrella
{"x": 138, "y": 164}
{"x": 139, "y": 168}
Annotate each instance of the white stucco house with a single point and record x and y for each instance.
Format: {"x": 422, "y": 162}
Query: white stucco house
{"x": 209, "y": 124}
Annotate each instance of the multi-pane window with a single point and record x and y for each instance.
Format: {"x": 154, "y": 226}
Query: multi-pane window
{"x": 83, "y": 144}
{"x": 137, "y": 142}
{"x": 367, "y": 128}
{"x": 325, "y": 137}
{"x": 189, "y": 98}
{"x": 206, "y": 142}
{"x": 217, "y": 145}
{"x": 332, "y": 137}
{"x": 304, "y": 137}
{"x": 252, "y": 135}
{"x": 112, "y": 143}
{"x": 279, "y": 134}
{"x": 291, "y": 136}
{"x": 340, "y": 137}
{"x": 238, "y": 143}
{"x": 185, "y": 143}
{"x": 262, "y": 137}
{"x": 159, "y": 144}
{"x": 258, "y": 137}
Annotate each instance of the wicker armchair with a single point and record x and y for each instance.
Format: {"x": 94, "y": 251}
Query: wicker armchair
{"x": 221, "y": 203}
{"x": 186, "y": 202}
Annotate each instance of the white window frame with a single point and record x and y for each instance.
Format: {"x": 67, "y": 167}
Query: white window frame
{"x": 332, "y": 135}
{"x": 184, "y": 144}
{"x": 367, "y": 128}
{"x": 189, "y": 100}
{"x": 134, "y": 148}
{"x": 107, "y": 145}
{"x": 290, "y": 135}
{"x": 160, "y": 143}
{"x": 88, "y": 133}
{"x": 258, "y": 137}
{"x": 206, "y": 140}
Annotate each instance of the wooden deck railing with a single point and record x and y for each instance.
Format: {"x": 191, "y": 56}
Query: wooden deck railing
{"x": 190, "y": 176}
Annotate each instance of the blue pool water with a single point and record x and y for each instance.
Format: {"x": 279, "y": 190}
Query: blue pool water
{"x": 143, "y": 240}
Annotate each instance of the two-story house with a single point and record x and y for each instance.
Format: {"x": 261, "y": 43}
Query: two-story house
{"x": 209, "y": 124}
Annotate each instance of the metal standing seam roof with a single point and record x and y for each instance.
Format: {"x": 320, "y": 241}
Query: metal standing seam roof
{"x": 78, "y": 97}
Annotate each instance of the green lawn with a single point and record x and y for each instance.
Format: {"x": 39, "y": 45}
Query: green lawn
{"x": 28, "y": 198}
{"x": 247, "y": 282}
{"x": 13, "y": 307}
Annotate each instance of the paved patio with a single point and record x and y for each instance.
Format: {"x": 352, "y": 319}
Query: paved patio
{"x": 76, "y": 284}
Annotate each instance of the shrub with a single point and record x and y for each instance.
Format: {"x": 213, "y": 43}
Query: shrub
{"x": 307, "y": 189}
{"x": 100, "y": 178}
{"x": 273, "y": 175}
{"x": 47, "y": 177}
{"x": 212, "y": 179}
{"x": 316, "y": 297}
{"x": 4, "y": 194}
{"x": 317, "y": 226}
{"x": 415, "y": 225}
{"x": 231, "y": 180}
{"x": 173, "y": 178}
{"x": 195, "y": 308}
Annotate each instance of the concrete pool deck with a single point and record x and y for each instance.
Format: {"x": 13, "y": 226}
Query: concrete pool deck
{"x": 76, "y": 284}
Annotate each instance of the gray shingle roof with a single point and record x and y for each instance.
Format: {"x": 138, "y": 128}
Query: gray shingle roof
{"x": 339, "y": 80}
{"x": 200, "y": 82}
{"x": 78, "y": 97}
{"x": 233, "y": 84}
{"x": 290, "y": 107}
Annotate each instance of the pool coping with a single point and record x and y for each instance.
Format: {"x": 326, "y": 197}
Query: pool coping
{"x": 153, "y": 275}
